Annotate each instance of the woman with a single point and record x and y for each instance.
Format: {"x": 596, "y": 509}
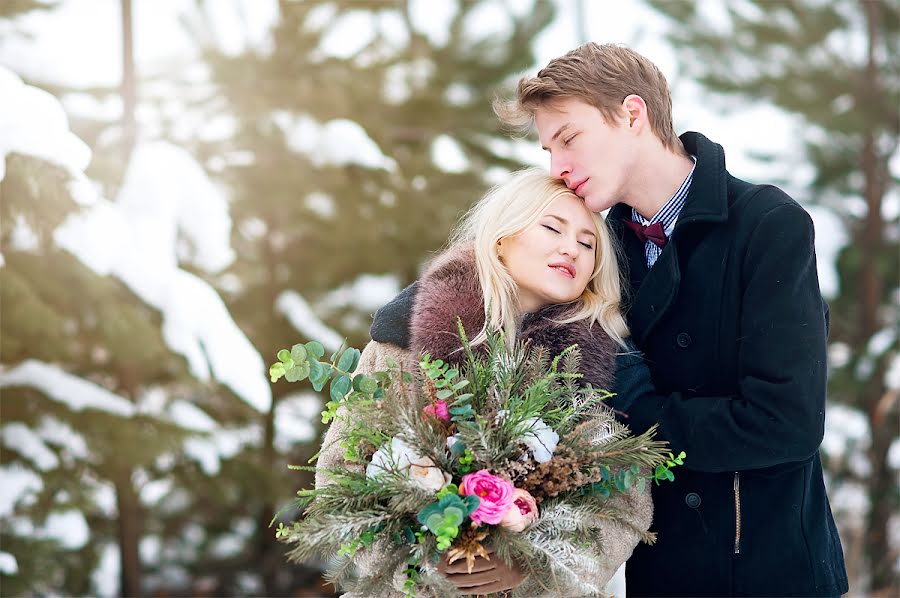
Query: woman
{"x": 530, "y": 260}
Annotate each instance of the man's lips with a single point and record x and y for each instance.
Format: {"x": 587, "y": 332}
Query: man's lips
{"x": 564, "y": 269}
{"x": 578, "y": 186}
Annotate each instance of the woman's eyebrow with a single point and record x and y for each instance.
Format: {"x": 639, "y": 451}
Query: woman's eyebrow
{"x": 564, "y": 221}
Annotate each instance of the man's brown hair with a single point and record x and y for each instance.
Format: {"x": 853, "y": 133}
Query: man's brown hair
{"x": 602, "y": 75}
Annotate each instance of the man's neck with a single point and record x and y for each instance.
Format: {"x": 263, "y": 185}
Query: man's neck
{"x": 656, "y": 180}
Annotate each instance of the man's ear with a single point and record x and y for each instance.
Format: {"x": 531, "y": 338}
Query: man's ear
{"x": 636, "y": 109}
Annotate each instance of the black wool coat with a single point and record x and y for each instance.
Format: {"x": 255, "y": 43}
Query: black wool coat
{"x": 733, "y": 328}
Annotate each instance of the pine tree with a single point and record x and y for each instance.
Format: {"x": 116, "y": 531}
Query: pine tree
{"x": 835, "y": 65}
{"x": 58, "y": 311}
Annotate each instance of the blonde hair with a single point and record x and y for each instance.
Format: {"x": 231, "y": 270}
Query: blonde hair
{"x": 602, "y": 75}
{"x": 507, "y": 210}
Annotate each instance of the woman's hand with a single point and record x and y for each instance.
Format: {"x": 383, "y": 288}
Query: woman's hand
{"x": 487, "y": 576}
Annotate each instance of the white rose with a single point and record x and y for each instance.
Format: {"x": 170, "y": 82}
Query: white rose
{"x": 400, "y": 457}
{"x": 541, "y": 439}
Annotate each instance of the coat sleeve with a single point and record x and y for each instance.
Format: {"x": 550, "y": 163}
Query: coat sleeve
{"x": 777, "y": 417}
{"x": 375, "y": 357}
{"x": 391, "y": 323}
{"x": 619, "y": 539}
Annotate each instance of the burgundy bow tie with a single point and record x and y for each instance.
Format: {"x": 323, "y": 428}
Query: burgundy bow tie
{"x": 653, "y": 233}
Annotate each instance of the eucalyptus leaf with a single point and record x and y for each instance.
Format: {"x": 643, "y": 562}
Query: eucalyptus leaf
{"x": 298, "y": 353}
{"x": 315, "y": 349}
{"x": 349, "y": 360}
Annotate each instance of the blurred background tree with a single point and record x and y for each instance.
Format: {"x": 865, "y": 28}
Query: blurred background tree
{"x": 346, "y": 145}
{"x": 837, "y": 67}
{"x": 320, "y": 149}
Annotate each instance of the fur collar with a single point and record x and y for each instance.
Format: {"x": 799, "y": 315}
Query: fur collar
{"x": 449, "y": 288}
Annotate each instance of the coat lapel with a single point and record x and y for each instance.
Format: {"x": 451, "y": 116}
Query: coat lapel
{"x": 654, "y": 290}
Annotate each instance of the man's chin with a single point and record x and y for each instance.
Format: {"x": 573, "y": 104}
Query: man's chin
{"x": 598, "y": 204}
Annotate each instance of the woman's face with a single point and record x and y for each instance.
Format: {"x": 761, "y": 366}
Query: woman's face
{"x": 552, "y": 260}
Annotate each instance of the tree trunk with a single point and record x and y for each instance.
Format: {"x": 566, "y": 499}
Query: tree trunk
{"x": 875, "y": 399}
{"x": 130, "y": 523}
{"x": 129, "y": 84}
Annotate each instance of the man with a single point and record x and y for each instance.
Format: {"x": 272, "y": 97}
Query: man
{"x": 725, "y": 306}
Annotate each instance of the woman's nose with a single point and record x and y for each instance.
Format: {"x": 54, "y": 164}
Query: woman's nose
{"x": 569, "y": 247}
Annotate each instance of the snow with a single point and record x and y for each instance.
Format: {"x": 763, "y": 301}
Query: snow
{"x": 165, "y": 197}
{"x": 846, "y": 431}
{"x": 831, "y": 238}
{"x": 22, "y": 439}
{"x": 209, "y": 450}
{"x": 295, "y": 308}
{"x": 184, "y": 201}
{"x": 881, "y": 341}
{"x": 338, "y": 142}
{"x": 8, "y": 564}
{"x": 135, "y": 239}
{"x": 149, "y": 549}
{"x": 61, "y": 45}
{"x": 203, "y": 452}
{"x": 892, "y": 375}
{"x": 366, "y": 293}
{"x": 295, "y": 417}
{"x": 448, "y": 155}
{"x": 18, "y": 484}
{"x": 432, "y": 19}
{"x": 62, "y": 387}
{"x": 348, "y": 34}
{"x": 33, "y": 122}
{"x": 69, "y": 528}
{"x": 105, "y": 577}
{"x": 155, "y": 490}
{"x": 61, "y": 434}
{"x": 104, "y": 497}
{"x": 488, "y": 20}
{"x": 190, "y": 417}
{"x": 23, "y": 237}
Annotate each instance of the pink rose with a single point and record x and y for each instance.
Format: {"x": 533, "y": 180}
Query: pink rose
{"x": 438, "y": 410}
{"x": 523, "y": 512}
{"x": 496, "y": 495}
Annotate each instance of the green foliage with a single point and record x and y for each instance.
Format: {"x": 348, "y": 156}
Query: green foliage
{"x": 444, "y": 518}
{"x": 444, "y": 379}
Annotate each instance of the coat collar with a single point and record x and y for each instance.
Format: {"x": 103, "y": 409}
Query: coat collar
{"x": 654, "y": 290}
{"x": 449, "y": 289}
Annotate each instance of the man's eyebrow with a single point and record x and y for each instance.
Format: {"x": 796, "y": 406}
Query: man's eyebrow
{"x": 559, "y": 132}
{"x": 564, "y": 221}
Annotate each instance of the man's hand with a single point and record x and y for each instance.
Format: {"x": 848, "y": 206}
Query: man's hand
{"x": 487, "y": 576}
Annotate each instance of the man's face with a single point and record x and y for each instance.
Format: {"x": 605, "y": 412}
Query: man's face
{"x": 592, "y": 155}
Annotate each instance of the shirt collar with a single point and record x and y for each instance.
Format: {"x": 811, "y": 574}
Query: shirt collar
{"x": 668, "y": 214}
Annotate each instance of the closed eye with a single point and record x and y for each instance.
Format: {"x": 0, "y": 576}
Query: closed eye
{"x": 569, "y": 139}
{"x": 548, "y": 227}
{"x": 588, "y": 245}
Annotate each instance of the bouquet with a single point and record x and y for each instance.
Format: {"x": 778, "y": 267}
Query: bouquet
{"x": 507, "y": 450}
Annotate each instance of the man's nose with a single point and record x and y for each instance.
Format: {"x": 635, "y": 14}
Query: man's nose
{"x": 559, "y": 167}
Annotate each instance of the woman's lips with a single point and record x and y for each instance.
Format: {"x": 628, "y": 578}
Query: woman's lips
{"x": 564, "y": 269}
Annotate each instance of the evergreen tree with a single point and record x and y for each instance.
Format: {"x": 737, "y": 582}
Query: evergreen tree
{"x": 58, "y": 311}
{"x": 835, "y": 65}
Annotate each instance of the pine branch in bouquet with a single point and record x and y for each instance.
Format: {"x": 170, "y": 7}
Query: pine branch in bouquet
{"x": 455, "y": 456}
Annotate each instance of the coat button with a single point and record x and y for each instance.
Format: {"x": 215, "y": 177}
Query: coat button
{"x": 684, "y": 340}
{"x": 692, "y": 500}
